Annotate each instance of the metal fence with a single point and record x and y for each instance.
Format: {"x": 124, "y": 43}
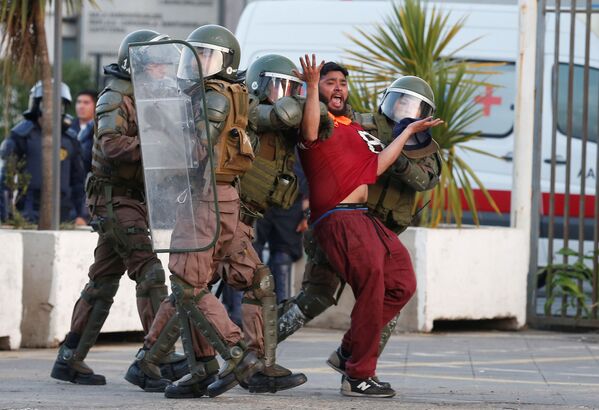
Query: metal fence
{"x": 565, "y": 255}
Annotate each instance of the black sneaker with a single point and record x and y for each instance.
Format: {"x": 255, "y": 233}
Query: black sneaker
{"x": 365, "y": 388}
{"x": 337, "y": 362}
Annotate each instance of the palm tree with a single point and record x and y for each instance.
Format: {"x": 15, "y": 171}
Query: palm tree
{"x": 413, "y": 40}
{"x": 26, "y": 52}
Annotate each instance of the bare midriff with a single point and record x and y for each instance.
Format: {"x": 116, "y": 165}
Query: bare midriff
{"x": 360, "y": 195}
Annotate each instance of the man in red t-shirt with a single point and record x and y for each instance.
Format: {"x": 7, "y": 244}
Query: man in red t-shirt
{"x": 368, "y": 256}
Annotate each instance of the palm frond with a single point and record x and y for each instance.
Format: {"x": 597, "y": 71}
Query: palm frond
{"x": 415, "y": 39}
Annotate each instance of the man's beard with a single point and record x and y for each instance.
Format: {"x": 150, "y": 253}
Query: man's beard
{"x": 336, "y": 113}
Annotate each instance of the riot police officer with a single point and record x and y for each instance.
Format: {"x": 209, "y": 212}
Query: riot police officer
{"x": 115, "y": 196}
{"x": 391, "y": 199}
{"x": 200, "y": 311}
{"x": 271, "y": 78}
{"x": 25, "y": 143}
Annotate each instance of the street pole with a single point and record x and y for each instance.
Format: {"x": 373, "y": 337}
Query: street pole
{"x": 527, "y": 141}
{"x": 56, "y": 115}
{"x": 221, "y": 13}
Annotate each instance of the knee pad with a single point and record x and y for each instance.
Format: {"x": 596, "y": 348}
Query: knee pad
{"x": 313, "y": 300}
{"x": 263, "y": 284}
{"x": 100, "y": 295}
{"x": 102, "y": 289}
{"x": 151, "y": 277}
{"x": 313, "y": 250}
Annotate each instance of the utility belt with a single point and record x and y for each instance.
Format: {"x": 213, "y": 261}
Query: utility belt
{"x": 109, "y": 226}
{"x": 98, "y": 186}
{"x": 128, "y": 192}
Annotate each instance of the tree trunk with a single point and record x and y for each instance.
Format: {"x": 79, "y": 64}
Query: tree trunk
{"x": 45, "y": 220}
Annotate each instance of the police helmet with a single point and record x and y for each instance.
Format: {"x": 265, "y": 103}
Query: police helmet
{"x": 138, "y": 36}
{"x": 218, "y": 50}
{"x": 408, "y": 97}
{"x": 272, "y": 77}
{"x": 34, "y": 107}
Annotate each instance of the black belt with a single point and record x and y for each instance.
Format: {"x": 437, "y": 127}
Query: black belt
{"x": 341, "y": 207}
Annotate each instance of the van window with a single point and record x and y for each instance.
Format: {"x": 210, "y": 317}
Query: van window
{"x": 496, "y": 103}
{"x": 577, "y": 101}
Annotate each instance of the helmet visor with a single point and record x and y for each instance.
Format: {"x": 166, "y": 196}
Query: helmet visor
{"x": 277, "y": 86}
{"x": 160, "y": 61}
{"x": 400, "y": 104}
{"x": 213, "y": 61}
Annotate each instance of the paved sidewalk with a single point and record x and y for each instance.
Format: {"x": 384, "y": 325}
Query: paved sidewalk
{"x": 471, "y": 370}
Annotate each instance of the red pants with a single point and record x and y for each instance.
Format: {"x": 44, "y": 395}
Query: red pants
{"x": 372, "y": 260}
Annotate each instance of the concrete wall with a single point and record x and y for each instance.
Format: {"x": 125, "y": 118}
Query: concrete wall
{"x": 462, "y": 274}
{"x": 468, "y": 274}
{"x": 11, "y": 289}
{"x": 54, "y": 273}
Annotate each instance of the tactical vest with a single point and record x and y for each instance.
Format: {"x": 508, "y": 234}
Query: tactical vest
{"x": 233, "y": 150}
{"x": 271, "y": 180}
{"x": 124, "y": 176}
{"x": 389, "y": 199}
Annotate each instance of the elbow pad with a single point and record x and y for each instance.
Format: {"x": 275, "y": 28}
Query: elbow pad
{"x": 110, "y": 119}
{"x": 420, "y": 175}
{"x": 289, "y": 111}
{"x": 262, "y": 118}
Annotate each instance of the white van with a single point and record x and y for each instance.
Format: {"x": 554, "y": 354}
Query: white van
{"x": 293, "y": 28}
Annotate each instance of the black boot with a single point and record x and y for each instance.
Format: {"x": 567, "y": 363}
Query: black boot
{"x": 174, "y": 367}
{"x": 146, "y": 374}
{"x": 237, "y": 369}
{"x": 194, "y": 385}
{"x": 273, "y": 379}
{"x": 68, "y": 368}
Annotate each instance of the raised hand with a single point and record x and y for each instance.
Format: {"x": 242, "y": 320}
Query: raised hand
{"x": 423, "y": 125}
{"x": 310, "y": 70}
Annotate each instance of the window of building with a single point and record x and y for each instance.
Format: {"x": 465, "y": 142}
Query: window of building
{"x": 578, "y": 102}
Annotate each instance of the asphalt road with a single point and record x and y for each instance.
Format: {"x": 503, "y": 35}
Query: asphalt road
{"x": 470, "y": 370}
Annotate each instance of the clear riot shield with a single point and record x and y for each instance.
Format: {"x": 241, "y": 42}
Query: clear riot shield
{"x": 177, "y": 158}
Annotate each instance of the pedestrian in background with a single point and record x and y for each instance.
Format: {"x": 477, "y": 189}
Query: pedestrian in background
{"x": 282, "y": 229}
{"x": 85, "y": 106}
{"x": 25, "y": 143}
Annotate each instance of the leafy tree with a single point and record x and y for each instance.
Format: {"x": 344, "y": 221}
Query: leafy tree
{"x": 26, "y": 53}
{"x": 78, "y": 76}
{"x": 413, "y": 40}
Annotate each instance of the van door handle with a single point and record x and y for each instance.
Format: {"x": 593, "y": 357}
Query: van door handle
{"x": 559, "y": 160}
{"x": 509, "y": 157}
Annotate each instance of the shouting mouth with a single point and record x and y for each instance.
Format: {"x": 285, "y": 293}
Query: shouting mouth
{"x": 336, "y": 101}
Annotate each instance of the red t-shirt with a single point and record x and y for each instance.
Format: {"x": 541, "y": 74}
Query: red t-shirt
{"x": 335, "y": 167}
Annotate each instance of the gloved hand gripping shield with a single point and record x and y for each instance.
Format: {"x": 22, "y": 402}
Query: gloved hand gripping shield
{"x": 178, "y": 157}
